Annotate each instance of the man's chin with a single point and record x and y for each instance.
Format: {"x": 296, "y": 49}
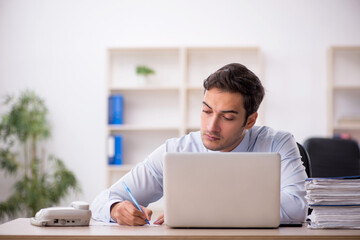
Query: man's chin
{"x": 211, "y": 145}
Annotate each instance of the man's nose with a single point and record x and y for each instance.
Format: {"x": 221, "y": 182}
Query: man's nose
{"x": 213, "y": 125}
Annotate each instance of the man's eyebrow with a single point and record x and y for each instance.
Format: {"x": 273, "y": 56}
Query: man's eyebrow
{"x": 224, "y": 111}
{"x": 206, "y": 104}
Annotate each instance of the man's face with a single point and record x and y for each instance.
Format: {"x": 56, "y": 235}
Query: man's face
{"x": 223, "y": 123}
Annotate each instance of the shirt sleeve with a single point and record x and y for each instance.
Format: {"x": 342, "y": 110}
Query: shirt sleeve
{"x": 145, "y": 181}
{"x": 293, "y": 207}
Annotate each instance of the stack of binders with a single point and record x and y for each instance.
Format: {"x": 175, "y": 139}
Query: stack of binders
{"x": 115, "y": 117}
{"x": 335, "y": 202}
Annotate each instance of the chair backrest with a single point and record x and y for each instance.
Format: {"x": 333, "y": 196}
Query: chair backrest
{"x": 333, "y": 157}
{"x": 305, "y": 159}
{"x": 307, "y": 164}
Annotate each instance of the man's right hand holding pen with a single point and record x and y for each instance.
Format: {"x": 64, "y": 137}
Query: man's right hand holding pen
{"x": 125, "y": 213}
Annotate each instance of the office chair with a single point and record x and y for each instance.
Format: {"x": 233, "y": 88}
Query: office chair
{"x": 333, "y": 157}
{"x": 307, "y": 164}
{"x": 305, "y": 159}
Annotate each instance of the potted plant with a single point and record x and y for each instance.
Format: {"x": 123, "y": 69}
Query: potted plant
{"x": 144, "y": 72}
{"x": 41, "y": 181}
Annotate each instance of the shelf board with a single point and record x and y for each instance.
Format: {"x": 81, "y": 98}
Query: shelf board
{"x": 143, "y": 88}
{"x": 346, "y": 48}
{"x": 120, "y": 168}
{"x": 347, "y": 127}
{"x": 347, "y": 87}
{"x": 207, "y": 49}
{"x": 136, "y": 49}
{"x": 128, "y": 127}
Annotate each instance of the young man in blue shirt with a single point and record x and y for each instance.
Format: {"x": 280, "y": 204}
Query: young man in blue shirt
{"x": 229, "y": 111}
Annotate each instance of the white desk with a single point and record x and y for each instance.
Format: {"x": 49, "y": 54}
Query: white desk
{"x": 22, "y": 229}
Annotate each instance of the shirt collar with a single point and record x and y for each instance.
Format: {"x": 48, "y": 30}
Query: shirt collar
{"x": 244, "y": 144}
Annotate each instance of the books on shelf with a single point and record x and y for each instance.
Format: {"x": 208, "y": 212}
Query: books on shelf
{"x": 335, "y": 202}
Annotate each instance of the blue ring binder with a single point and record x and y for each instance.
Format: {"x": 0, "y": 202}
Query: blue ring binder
{"x": 115, "y": 156}
{"x": 116, "y": 109}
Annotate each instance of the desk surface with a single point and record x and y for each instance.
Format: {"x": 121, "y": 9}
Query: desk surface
{"x": 22, "y": 229}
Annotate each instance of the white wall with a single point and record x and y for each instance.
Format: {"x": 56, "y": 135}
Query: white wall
{"x": 58, "y": 49}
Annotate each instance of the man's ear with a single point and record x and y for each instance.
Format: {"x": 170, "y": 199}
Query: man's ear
{"x": 251, "y": 120}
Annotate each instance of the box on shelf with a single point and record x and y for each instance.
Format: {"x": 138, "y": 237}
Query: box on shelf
{"x": 343, "y": 135}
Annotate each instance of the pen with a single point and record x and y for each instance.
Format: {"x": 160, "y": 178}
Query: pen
{"x": 134, "y": 200}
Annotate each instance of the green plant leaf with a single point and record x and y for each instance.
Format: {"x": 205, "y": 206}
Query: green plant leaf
{"x": 144, "y": 70}
{"x": 8, "y": 161}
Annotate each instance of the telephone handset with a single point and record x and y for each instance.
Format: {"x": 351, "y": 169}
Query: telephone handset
{"x": 78, "y": 214}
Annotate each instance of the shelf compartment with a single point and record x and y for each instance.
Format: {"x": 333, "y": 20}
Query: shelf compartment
{"x": 346, "y": 66}
{"x": 204, "y": 61}
{"x": 353, "y": 133}
{"x": 194, "y": 106}
{"x": 138, "y": 145}
{"x": 346, "y": 104}
{"x": 139, "y": 108}
{"x": 164, "y": 61}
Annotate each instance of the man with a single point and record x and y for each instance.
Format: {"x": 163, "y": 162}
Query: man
{"x": 229, "y": 111}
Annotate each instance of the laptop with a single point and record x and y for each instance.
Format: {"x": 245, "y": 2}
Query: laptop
{"x": 222, "y": 190}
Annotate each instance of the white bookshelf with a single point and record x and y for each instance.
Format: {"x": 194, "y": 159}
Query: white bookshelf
{"x": 344, "y": 91}
{"x": 169, "y": 105}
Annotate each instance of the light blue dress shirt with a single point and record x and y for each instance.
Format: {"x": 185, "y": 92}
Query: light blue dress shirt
{"x": 146, "y": 179}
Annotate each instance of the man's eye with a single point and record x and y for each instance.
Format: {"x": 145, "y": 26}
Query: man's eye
{"x": 228, "y": 118}
{"x": 206, "y": 111}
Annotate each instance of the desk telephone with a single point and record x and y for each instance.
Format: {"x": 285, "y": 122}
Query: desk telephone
{"x": 78, "y": 214}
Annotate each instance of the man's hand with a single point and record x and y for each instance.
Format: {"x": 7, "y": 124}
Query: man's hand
{"x": 160, "y": 220}
{"x": 125, "y": 213}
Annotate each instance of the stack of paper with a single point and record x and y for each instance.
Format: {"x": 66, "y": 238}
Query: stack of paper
{"x": 335, "y": 202}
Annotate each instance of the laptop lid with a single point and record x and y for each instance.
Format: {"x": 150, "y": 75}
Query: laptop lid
{"x": 222, "y": 190}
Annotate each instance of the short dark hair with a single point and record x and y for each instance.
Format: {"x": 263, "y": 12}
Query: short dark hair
{"x": 236, "y": 78}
